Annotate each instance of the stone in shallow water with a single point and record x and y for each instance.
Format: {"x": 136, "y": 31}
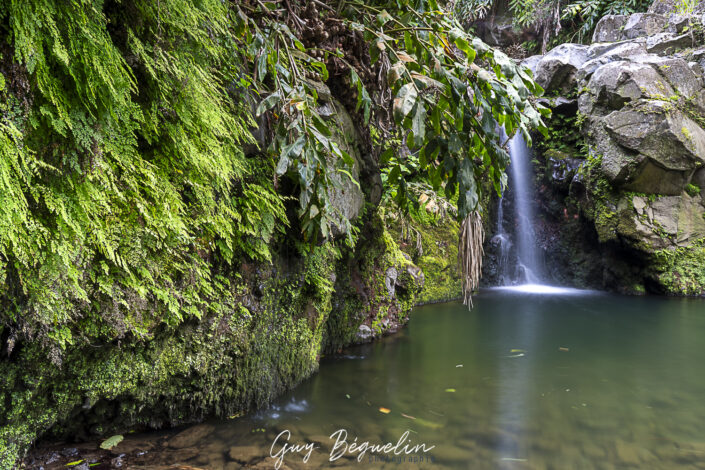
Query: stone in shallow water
{"x": 593, "y": 451}
{"x": 246, "y": 454}
{"x": 631, "y": 454}
{"x": 191, "y": 436}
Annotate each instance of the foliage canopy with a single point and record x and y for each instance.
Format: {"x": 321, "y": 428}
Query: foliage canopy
{"x": 125, "y": 193}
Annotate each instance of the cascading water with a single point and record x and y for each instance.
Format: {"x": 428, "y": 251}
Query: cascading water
{"x": 527, "y": 273}
{"x": 527, "y": 249}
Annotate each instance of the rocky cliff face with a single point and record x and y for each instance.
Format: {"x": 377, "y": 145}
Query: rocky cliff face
{"x": 621, "y": 176}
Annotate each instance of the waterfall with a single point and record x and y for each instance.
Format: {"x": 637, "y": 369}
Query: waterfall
{"x": 529, "y": 261}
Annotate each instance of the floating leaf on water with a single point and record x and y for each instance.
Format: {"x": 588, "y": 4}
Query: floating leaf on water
{"x": 111, "y": 442}
{"x": 384, "y": 410}
{"x": 407, "y": 416}
{"x": 450, "y": 390}
{"x": 428, "y": 424}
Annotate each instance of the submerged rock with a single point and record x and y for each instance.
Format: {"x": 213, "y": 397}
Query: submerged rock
{"x": 191, "y": 436}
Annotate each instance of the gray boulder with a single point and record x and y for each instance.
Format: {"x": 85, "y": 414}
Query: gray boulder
{"x": 668, "y": 7}
{"x": 617, "y": 83}
{"x": 676, "y": 70}
{"x": 556, "y": 70}
{"x": 643, "y": 24}
{"x": 618, "y": 163}
{"x": 674, "y": 146}
{"x": 604, "y": 53}
{"x": 609, "y": 28}
{"x": 531, "y": 62}
{"x": 664, "y": 221}
{"x": 667, "y": 43}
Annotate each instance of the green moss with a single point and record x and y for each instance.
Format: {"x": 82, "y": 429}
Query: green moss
{"x": 438, "y": 259}
{"x": 361, "y": 293}
{"x": 239, "y": 357}
{"x": 692, "y": 190}
{"x": 680, "y": 271}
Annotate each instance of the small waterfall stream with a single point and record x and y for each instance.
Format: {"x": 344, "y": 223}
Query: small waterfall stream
{"x": 528, "y": 256}
{"x": 519, "y": 260}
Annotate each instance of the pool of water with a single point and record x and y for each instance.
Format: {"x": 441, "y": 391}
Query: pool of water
{"x": 556, "y": 380}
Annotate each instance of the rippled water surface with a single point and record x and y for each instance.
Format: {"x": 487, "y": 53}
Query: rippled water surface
{"x": 551, "y": 381}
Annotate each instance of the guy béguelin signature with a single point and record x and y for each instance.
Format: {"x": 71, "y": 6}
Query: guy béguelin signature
{"x": 341, "y": 445}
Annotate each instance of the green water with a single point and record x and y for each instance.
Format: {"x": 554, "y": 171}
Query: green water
{"x": 582, "y": 381}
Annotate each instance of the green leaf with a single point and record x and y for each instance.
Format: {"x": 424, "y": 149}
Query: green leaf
{"x": 383, "y": 17}
{"x": 262, "y": 67}
{"x": 464, "y": 46}
{"x": 386, "y": 156}
{"x": 394, "y": 175}
{"x": 313, "y": 211}
{"x": 267, "y": 103}
{"x": 404, "y": 101}
{"x": 111, "y": 442}
{"x": 418, "y": 124}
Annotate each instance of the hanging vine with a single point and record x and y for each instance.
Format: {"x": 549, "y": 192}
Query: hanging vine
{"x": 472, "y": 237}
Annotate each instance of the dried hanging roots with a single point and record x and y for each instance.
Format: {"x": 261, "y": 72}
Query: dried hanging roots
{"x": 470, "y": 252}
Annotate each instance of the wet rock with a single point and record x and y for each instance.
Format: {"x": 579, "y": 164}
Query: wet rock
{"x": 191, "y": 436}
{"x": 181, "y": 455}
{"x": 53, "y": 457}
{"x": 117, "y": 462}
{"x": 129, "y": 446}
{"x": 69, "y": 452}
{"x": 364, "y": 334}
{"x": 561, "y": 167}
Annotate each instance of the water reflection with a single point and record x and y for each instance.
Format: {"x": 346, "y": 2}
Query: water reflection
{"x": 577, "y": 381}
